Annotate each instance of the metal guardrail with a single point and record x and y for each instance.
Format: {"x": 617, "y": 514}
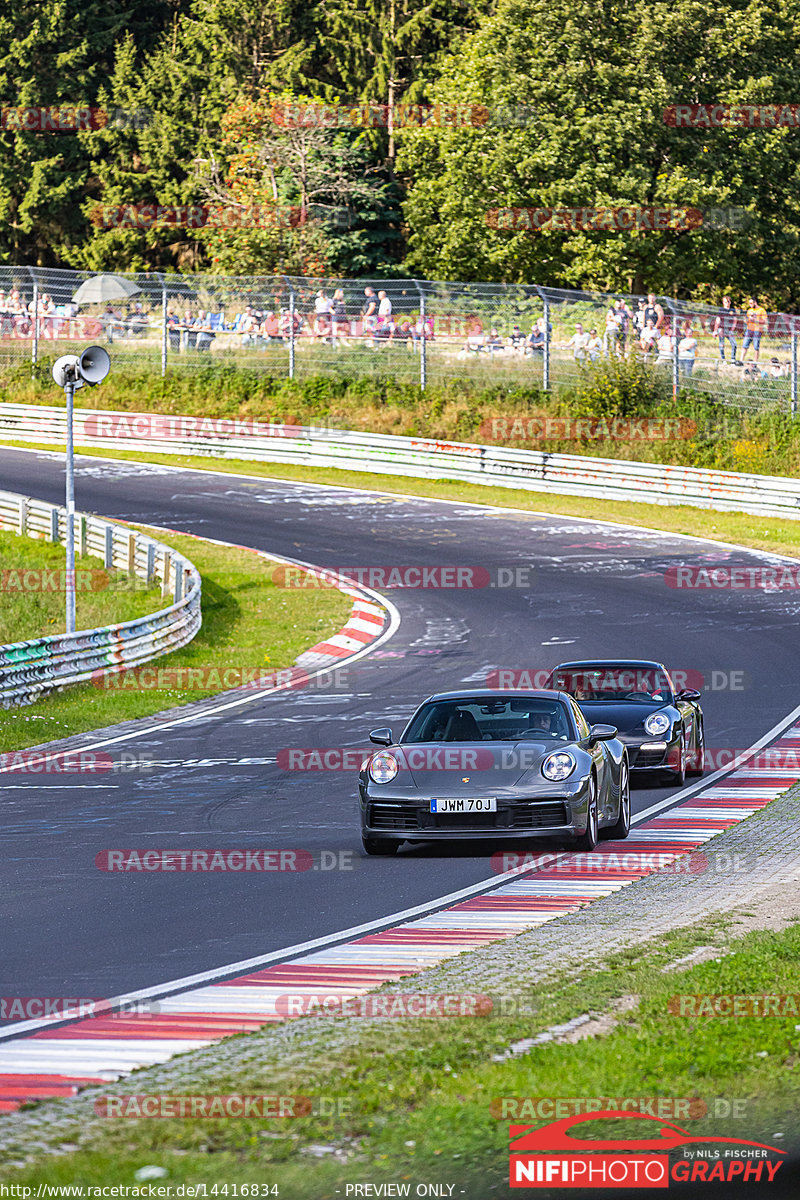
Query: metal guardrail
{"x": 530, "y": 470}
{"x": 31, "y": 668}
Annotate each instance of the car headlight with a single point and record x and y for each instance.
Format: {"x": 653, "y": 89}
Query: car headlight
{"x": 558, "y": 766}
{"x": 657, "y": 723}
{"x": 383, "y": 767}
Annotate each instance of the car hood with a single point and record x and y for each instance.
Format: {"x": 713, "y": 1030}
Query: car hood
{"x": 441, "y": 768}
{"x": 627, "y": 715}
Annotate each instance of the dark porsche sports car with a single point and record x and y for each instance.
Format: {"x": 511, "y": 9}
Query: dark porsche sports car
{"x": 661, "y": 728}
{"x": 495, "y": 764}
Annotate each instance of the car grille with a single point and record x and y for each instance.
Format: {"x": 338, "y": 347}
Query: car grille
{"x": 523, "y": 814}
{"x": 538, "y": 816}
{"x": 646, "y": 758}
{"x": 393, "y": 816}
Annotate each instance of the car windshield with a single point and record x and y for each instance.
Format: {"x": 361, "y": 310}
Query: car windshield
{"x": 489, "y": 720}
{"x": 608, "y": 682}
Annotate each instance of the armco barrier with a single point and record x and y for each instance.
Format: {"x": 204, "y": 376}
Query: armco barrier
{"x": 531, "y": 470}
{"x": 29, "y": 669}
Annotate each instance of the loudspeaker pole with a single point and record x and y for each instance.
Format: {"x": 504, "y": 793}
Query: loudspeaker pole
{"x": 69, "y": 390}
{"x": 70, "y": 372}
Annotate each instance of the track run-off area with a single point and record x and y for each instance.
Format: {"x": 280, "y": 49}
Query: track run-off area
{"x": 225, "y": 944}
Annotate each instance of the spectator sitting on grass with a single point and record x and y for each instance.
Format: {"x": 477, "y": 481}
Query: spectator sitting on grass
{"x": 495, "y": 342}
{"x": 775, "y": 369}
{"x": 594, "y": 346}
{"x": 536, "y": 338}
{"x": 269, "y": 330}
{"x": 516, "y": 339}
{"x": 649, "y": 339}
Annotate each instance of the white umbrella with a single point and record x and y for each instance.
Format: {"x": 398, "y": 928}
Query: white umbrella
{"x": 101, "y": 288}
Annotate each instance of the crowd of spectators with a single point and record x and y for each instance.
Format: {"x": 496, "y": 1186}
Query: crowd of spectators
{"x": 339, "y": 320}
{"x": 654, "y": 334}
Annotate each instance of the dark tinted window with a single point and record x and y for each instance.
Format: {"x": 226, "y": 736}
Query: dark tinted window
{"x": 479, "y": 719}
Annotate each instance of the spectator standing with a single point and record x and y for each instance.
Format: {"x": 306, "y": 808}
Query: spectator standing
{"x": 369, "y": 313}
{"x": 639, "y": 318}
{"x": 755, "y": 325}
{"x": 664, "y": 348}
{"x": 322, "y": 313}
{"x": 384, "y": 310}
{"x": 653, "y": 312}
{"x": 611, "y": 337}
{"x": 578, "y": 343}
{"x": 687, "y": 350}
{"x": 725, "y": 328}
{"x": 339, "y": 320}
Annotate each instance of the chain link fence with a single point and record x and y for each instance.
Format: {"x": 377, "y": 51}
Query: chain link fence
{"x": 419, "y": 331}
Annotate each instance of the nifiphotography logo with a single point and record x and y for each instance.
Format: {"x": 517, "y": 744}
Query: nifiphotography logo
{"x": 550, "y": 1157}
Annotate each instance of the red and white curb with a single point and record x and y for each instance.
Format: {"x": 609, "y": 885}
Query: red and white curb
{"x": 37, "y": 1062}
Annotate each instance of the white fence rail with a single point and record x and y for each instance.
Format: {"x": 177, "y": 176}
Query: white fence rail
{"x": 31, "y": 668}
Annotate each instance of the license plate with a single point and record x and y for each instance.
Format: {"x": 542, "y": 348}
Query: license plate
{"x": 465, "y": 805}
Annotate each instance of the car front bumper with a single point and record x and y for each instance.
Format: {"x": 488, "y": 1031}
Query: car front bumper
{"x": 408, "y": 818}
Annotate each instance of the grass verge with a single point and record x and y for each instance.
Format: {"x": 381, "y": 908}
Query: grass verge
{"x": 423, "y": 1103}
{"x": 32, "y": 596}
{"x": 249, "y": 623}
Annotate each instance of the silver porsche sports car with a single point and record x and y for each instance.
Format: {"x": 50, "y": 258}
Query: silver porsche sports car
{"x": 517, "y": 765}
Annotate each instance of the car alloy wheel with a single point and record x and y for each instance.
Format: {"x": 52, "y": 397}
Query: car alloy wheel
{"x": 622, "y": 827}
{"x": 588, "y": 840}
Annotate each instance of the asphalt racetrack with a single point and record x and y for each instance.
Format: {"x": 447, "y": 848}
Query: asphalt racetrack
{"x": 572, "y": 589}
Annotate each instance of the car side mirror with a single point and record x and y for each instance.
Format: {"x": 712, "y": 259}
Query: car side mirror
{"x": 381, "y": 737}
{"x": 602, "y": 733}
{"x": 688, "y": 694}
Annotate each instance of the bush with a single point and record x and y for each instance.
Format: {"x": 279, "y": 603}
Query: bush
{"x": 624, "y": 387}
